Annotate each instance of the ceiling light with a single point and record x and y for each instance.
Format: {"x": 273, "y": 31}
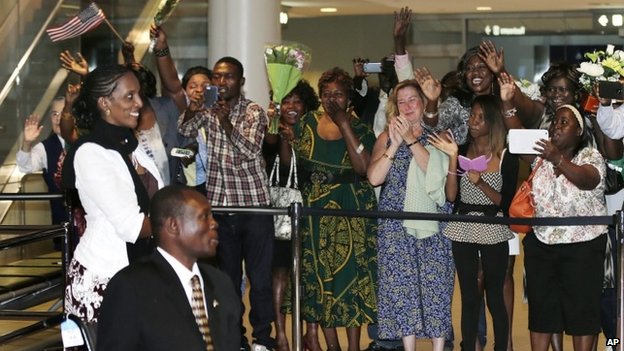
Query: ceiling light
{"x": 283, "y": 17}
{"x": 603, "y": 20}
{"x": 484, "y": 8}
{"x": 617, "y": 20}
{"x": 329, "y": 9}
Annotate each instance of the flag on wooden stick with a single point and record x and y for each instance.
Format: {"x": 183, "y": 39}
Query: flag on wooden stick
{"x": 83, "y": 22}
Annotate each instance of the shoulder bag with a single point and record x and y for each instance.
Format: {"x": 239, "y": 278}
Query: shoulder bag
{"x": 283, "y": 196}
{"x": 522, "y": 204}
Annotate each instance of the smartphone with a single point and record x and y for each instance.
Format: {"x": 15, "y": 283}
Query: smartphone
{"x": 522, "y": 141}
{"x": 611, "y": 90}
{"x": 372, "y": 67}
{"x": 181, "y": 152}
{"x": 211, "y": 95}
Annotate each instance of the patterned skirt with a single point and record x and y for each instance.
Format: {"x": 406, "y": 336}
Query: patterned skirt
{"x": 84, "y": 292}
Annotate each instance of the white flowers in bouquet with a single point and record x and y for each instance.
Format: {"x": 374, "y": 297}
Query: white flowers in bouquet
{"x": 529, "y": 89}
{"x": 602, "y": 65}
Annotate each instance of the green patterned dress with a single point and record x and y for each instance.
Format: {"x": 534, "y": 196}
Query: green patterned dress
{"x": 339, "y": 260}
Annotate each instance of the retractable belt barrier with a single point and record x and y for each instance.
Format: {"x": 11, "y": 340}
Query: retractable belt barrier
{"x": 296, "y": 211}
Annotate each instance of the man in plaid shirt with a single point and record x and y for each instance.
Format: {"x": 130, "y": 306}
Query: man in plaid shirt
{"x": 235, "y": 176}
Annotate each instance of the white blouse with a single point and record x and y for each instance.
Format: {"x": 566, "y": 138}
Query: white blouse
{"x": 113, "y": 216}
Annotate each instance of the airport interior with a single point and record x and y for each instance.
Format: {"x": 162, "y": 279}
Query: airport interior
{"x": 32, "y": 276}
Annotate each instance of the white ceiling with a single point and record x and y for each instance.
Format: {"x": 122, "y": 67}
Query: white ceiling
{"x": 311, "y": 8}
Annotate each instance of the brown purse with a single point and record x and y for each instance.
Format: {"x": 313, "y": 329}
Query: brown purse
{"x": 522, "y": 205}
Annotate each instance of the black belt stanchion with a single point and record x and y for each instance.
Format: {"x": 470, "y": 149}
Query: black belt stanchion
{"x": 294, "y": 211}
{"x": 619, "y": 246}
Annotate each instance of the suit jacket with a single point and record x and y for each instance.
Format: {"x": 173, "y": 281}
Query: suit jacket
{"x": 145, "y": 308}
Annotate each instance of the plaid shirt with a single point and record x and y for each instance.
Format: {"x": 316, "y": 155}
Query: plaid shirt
{"x": 235, "y": 170}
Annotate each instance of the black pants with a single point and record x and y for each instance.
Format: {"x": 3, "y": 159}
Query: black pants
{"x": 249, "y": 237}
{"x": 494, "y": 263}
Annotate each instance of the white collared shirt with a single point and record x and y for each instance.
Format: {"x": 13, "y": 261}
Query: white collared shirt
{"x": 185, "y": 276}
{"x": 35, "y": 160}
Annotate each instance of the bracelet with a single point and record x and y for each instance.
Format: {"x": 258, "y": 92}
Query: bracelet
{"x": 452, "y": 173}
{"x": 162, "y": 53}
{"x": 388, "y": 156}
{"x": 430, "y": 114}
{"x": 359, "y": 149}
{"x": 412, "y": 143}
{"x": 560, "y": 161}
{"x": 418, "y": 140}
{"x": 511, "y": 112}
{"x": 67, "y": 116}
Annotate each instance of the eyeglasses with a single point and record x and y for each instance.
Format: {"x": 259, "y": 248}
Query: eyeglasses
{"x": 561, "y": 90}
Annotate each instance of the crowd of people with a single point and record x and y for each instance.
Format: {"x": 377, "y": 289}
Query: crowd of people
{"x": 415, "y": 144}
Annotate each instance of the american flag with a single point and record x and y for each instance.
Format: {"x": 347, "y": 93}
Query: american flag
{"x": 83, "y": 22}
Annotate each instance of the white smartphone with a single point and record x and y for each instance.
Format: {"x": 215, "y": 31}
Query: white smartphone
{"x": 180, "y": 152}
{"x": 522, "y": 141}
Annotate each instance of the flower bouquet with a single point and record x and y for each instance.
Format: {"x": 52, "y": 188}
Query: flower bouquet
{"x": 529, "y": 89}
{"x": 285, "y": 64}
{"x": 165, "y": 10}
{"x": 602, "y": 65}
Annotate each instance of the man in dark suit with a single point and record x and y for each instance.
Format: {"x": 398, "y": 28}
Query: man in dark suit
{"x": 147, "y": 305}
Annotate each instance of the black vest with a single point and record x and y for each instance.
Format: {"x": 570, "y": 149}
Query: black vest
{"x": 53, "y": 149}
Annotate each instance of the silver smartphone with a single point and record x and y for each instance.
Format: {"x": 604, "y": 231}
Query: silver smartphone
{"x": 181, "y": 152}
{"x": 522, "y": 141}
{"x": 372, "y": 67}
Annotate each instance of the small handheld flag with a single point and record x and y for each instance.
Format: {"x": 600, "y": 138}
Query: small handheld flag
{"x": 83, "y": 22}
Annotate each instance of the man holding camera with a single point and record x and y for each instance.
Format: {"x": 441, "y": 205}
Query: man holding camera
{"x": 235, "y": 176}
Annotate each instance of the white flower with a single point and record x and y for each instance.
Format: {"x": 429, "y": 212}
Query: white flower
{"x": 268, "y": 51}
{"x": 610, "y": 49}
{"x": 591, "y": 69}
{"x": 618, "y": 55}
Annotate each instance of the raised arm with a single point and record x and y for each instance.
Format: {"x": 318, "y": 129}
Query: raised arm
{"x": 171, "y": 85}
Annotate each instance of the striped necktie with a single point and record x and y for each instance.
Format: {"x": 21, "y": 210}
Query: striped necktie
{"x": 199, "y": 310}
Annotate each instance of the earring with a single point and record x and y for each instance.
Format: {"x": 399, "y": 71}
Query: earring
{"x": 107, "y": 112}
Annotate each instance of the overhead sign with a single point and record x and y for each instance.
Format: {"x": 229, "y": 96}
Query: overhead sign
{"x": 497, "y": 30}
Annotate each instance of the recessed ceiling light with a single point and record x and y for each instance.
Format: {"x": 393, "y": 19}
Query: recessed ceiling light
{"x": 484, "y": 8}
{"x": 329, "y": 9}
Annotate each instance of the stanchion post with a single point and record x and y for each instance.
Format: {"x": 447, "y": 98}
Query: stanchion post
{"x": 619, "y": 245}
{"x": 294, "y": 212}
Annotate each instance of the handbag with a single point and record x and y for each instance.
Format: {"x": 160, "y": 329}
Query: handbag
{"x": 522, "y": 204}
{"x": 283, "y": 196}
{"x": 613, "y": 181}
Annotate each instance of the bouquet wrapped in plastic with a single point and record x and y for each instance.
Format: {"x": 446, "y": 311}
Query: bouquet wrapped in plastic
{"x": 165, "y": 9}
{"x": 605, "y": 65}
{"x": 285, "y": 64}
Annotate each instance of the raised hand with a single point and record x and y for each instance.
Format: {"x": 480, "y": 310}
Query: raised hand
{"x": 76, "y": 64}
{"x": 495, "y": 60}
{"x": 402, "y": 20}
{"x": 32, "y": 129}
{"x": 430, "y": 86}
{"x": 127, "y": 51}
{"x": 156, "y": 32}
{"x": 70, "y": 95}
{"x": 358, "y": 67}
{"x": 445, "y": 143}
{"x": 507, "y": 86}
